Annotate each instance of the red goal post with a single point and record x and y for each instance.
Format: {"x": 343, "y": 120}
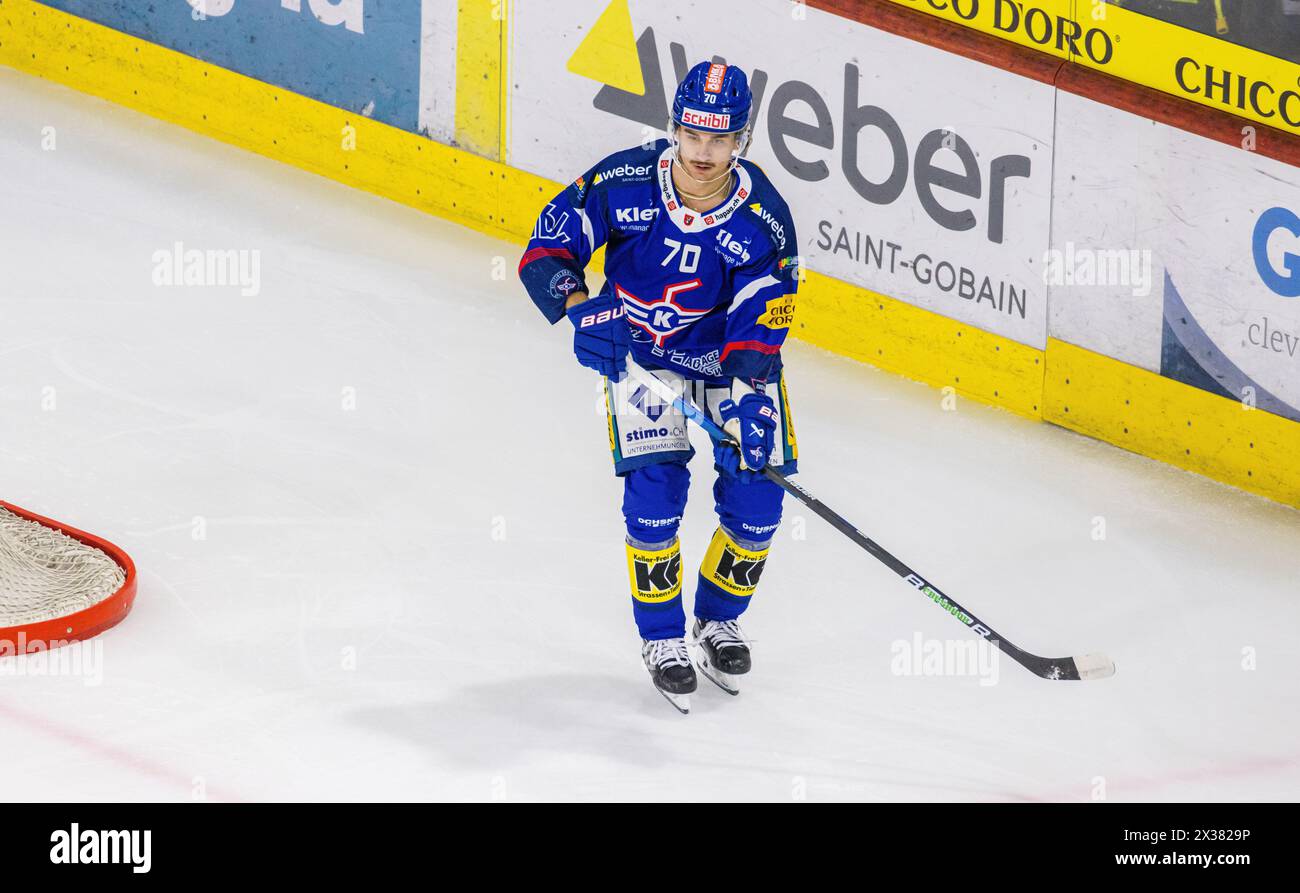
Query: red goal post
{"x": 58, "y": 584}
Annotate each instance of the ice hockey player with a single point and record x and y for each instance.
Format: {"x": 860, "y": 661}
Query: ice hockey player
{"x": 701, "y": 270}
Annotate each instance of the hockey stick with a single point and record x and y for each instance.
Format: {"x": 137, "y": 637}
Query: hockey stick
{"x": 1084, "y": 666}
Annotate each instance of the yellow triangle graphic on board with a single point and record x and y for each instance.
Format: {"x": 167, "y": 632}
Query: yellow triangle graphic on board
{"x": 608, "y": 53}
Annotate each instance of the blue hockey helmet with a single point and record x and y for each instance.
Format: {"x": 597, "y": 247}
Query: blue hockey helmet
{"x": 714, "y": 98}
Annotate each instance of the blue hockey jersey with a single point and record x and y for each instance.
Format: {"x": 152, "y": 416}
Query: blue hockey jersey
{"x": 710, "y": 296}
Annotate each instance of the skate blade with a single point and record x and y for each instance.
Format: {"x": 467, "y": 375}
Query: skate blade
{"x": 725, "y": 681}
{"x": 681, "y": 702}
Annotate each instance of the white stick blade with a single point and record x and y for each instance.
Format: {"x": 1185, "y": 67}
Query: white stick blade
{"x": 1094, "y": 666}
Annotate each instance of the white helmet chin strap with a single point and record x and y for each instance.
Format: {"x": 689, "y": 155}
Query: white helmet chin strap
{"x": 741, "y": 145}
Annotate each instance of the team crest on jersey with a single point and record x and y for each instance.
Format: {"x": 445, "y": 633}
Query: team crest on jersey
{"x": 663, "y": 318}
{"x": 551, "y": 227}
{"x": 564, "y": 284}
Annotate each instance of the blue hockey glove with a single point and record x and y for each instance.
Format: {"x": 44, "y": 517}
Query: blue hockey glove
{"x": 600, "y": 335}
{"x": 751, "y": 424}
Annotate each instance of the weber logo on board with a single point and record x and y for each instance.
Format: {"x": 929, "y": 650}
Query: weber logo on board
{"x": 90, "y": 847}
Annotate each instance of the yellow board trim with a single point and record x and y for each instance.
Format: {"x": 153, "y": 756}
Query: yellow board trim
{"x": 481, "y": 50}
{"x": 1173, "y": 422}
{"x": 986, "y": 18}
{"x": 1142, "y": 49}
{"x": 920, "y": 344}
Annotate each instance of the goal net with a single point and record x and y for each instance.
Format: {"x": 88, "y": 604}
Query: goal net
{"x": 57, "y": 584}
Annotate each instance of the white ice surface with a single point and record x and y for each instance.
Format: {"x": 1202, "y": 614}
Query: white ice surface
{"x": 460, "y": 532}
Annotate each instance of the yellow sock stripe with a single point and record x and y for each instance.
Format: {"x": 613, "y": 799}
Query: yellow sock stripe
{"x": 655, "y": 575}
{"x": 730, "y": 566}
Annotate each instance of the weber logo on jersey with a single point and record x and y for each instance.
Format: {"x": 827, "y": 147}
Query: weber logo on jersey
{"x": 622, "y": 171}
{"x": 778, "y": 229}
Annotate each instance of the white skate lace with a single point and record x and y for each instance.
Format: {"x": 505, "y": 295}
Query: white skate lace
{"x": 721, "y": 633}
{"x": 667, "y": 652}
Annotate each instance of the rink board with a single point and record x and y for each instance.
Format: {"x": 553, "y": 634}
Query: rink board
{"x": 1138, "y": 48}
{"x": 496, "y": 199}
{"x": 1158, "y": 417}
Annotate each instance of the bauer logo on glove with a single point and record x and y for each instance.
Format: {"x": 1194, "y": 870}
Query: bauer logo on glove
{"x": 751, "y": 423}
{"x": 604, "y": 316}
{"x": 600, "y": 334}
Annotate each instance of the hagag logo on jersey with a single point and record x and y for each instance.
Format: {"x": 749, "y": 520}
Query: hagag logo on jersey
{"x": 665, "y": 317}
{"x": 866, "y": 136}
{"x": 775, "y": 225}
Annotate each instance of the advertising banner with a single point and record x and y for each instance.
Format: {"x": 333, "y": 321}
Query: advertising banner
{"x": 1178, "y": 254}
{"x": 909, "y": 171}
{"x": 1241, "y": 58}
{"x": 359, "y": 55}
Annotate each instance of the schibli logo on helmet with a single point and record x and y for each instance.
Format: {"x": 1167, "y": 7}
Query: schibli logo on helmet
{"x": 713, "y": 98}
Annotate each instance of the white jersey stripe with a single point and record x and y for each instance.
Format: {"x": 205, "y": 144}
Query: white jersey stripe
{"x": 750, "y": 290}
